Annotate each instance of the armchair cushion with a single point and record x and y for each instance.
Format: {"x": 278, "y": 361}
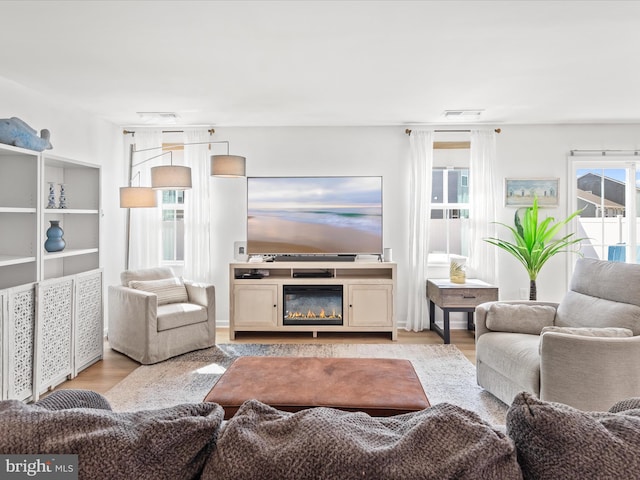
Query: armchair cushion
{"x": 601, "y": 312}
{"x": 168, "y": 290}
{"x": 519, "y": 318}
{"x": 176, "y": 315}
{"x": 554, "y": 440}
{"x": 145, "y": 274}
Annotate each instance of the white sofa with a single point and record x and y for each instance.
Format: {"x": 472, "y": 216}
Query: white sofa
{"x": 583, "y": 352}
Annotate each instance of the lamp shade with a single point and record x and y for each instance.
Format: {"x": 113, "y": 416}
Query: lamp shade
{"x": 228, "y": 166}
{"x": 171, "y": 177}
{"x": 137, "y": 197}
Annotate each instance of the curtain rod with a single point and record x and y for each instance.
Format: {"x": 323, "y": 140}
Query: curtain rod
{"x": 132, "y": 132}
{"x": 408, "y": 131}
{"x": 605, "y": 152}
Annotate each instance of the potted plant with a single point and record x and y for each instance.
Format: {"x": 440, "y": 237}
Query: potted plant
{"x": 534, "y": 241}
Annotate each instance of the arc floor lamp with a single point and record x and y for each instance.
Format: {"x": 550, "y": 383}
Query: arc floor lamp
{"x": 171, "y": 177}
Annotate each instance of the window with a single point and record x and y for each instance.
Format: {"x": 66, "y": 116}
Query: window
{"x": 607, "y": 191}
{"x": 173, "y": 213}
{"x": 172, "y": 226}
{"x": 449, "y": 226}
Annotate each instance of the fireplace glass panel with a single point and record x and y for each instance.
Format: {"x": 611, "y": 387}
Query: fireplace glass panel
{"x": 312, "y": 305}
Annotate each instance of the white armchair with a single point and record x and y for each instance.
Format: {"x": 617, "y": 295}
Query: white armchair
{"x": 583, "y": 352}
{"x": 154, "y": 316}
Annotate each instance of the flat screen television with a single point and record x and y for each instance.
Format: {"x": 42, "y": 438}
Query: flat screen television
{"x": 339, "y": 215}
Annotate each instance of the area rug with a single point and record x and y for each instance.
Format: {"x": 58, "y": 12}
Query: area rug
{"x": 446, "y": 374}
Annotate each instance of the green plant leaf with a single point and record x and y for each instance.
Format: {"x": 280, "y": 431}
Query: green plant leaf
{"x": 533, "y": 240}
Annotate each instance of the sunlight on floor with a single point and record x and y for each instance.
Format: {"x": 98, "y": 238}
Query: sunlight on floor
{"x": 212, "y": 368}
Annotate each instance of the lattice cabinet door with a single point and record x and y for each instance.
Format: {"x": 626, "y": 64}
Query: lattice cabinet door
{"x": 3, "y": 347}
{"x": 54, "y": 329}
{"x": 20, "y": 341}
{"x": 88, "y": 324}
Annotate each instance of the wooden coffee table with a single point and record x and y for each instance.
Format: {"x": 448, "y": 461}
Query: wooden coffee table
{"x": 377, "y": 386}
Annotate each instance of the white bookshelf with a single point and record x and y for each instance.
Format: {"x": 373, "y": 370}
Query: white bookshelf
{"x": 28, "y": 272}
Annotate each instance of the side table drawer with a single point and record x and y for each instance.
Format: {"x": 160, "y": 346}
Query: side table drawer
{"x": 463, "y": 297}
{"x": 466, "y": 297}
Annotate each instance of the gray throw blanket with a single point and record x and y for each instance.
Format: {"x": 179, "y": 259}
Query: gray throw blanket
{"x": 441, "y": 442}
{"x": 556, "y": 441}
{"x": 170, "y": 443}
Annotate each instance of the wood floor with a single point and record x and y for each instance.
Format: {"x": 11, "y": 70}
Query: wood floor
{"x": 104, "y": 374}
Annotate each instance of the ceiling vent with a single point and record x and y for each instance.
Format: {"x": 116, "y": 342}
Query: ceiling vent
{"x": 161, "y": 118}
{"x": 463, "y": 114}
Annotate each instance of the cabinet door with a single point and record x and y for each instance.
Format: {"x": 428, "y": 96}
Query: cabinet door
{"x": 255, "y": 305}
{"x": 370, "y": 306}
{"x": 21, "y": 317}
{"x": 53, "y": 352}
{"x": 88, "y": 320}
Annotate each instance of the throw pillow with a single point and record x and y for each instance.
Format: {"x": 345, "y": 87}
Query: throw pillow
{"x": 168, "y": 290}
{"x": 626, "y": 404}
{"x": 557, "y": 441}
{"x": 72, "y": 398}
{"x": 440, "y": 442}
{"x": 170, "y": 443}
{"x": 519, "y": 318}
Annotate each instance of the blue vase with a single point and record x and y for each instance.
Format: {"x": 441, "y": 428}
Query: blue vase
{"x": 55, "y": 242}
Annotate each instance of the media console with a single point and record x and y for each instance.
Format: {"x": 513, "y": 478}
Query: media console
{"x": 336, "y": 297}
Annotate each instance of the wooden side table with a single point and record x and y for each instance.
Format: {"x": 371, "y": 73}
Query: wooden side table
{"x": 457, "y": 297}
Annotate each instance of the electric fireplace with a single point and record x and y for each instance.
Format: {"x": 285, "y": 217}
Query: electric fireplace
{"x": 312, "y": 305}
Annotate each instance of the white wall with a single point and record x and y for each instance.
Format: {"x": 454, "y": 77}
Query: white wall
{"x": 78, "y": 135}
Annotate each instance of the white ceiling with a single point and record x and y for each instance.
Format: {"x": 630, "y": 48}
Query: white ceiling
{"x": 330, "y": 62}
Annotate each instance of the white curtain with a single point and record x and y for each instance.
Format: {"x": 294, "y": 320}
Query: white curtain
{"x": 483, "y": 201}
{"x": 421, "y": 157}
{"x": 197, "y": 246}
{"x": 145, "y": 245}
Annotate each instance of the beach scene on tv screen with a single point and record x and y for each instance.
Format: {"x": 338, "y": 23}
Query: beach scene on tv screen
{"x": 326, "y": 215}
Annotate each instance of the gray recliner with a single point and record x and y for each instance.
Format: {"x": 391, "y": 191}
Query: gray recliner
{"x": 583, "y": 352}
{"x": 149, "y": 331}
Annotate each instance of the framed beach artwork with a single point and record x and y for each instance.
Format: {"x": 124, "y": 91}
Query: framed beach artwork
{"x": 520, "y": 192}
